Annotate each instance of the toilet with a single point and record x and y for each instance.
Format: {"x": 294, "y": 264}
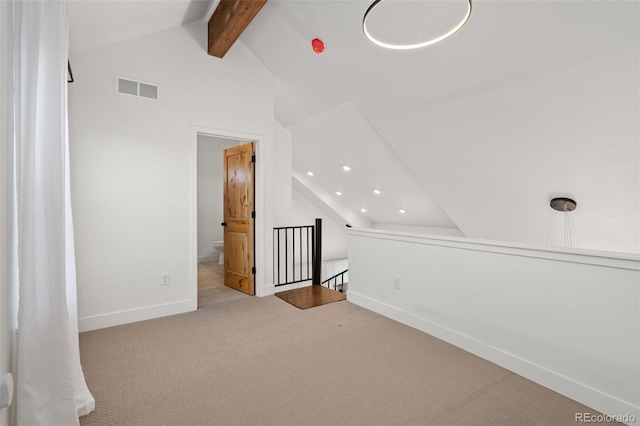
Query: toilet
{"x": 219, "y": 246}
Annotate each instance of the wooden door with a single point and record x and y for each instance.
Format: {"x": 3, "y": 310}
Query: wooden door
{"x": 239, "y": 216}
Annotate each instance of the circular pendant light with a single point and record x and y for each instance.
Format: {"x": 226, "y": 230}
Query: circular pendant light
{"x": 425, "y": 43}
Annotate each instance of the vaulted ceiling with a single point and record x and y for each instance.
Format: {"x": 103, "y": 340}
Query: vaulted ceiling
{"x": 95, "y": 23}
{"x": 530, "y": 100}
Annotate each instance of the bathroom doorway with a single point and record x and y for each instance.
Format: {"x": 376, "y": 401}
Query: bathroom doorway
{"x": 210, "y": 232}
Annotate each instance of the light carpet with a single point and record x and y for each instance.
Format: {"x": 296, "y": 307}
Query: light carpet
{"x": 261, "y": 361}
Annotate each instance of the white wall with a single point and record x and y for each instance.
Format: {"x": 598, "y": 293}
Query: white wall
{"x": 133, "y": 168}
{"x": 334, "y": 235}
{"x": 431, "y": 230}
{"x": 495, "y": 155}
{"x": 569, "y": 320}
{"x": 210, "y": 193}
{"x": 282, "y": 175}
{"x": 333, "y": 267}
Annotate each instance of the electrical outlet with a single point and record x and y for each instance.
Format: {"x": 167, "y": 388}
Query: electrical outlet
{"x": 396, "y": 282}
{"x": 165, "y": 279}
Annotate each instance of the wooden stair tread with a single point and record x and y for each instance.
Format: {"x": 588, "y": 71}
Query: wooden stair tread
{"x": 311, "y": 296}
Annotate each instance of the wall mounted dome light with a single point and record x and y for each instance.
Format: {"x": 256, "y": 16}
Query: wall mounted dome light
{"x": 425, "y": 43}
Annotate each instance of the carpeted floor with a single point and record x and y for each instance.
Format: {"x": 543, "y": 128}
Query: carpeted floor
{"x": 261, "y": 361}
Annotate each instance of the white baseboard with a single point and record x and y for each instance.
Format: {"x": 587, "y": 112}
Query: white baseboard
{"x": 209, "y": 258}
{"x": 269, "y": 290}
{"x": 134, "y": 315}
{"x": 566, "y": 386}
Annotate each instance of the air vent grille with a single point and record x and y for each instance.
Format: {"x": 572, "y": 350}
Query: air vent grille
{"x": 130, "y": 87}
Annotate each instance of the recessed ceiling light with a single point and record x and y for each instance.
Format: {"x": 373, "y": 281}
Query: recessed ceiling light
{"x": 403, "y": 211}
{"x": 377, "y": 191}
{"x": 363, "y": 210}
{"x": 338, "y": 193}
{"x": 310, "y": 173}
{"x": 346, "y": 168}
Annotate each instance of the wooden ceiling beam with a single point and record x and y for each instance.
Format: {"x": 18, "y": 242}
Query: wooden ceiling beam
{"x": 227, "y": 23}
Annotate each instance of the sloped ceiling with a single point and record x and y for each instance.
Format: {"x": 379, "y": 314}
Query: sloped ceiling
{"x": 95, "y": 23}
{"x": 324, "y": 143}
{"x": 530, "y": 100}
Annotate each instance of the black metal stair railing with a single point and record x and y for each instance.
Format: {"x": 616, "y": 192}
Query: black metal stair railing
{"x": 339, "y": 286}
{"x": 297, "y": 254}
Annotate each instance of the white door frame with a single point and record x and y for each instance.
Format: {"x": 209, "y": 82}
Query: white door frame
{"x": 259, "y": 192}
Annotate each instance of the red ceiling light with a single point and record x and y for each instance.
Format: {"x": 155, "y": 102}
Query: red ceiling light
{"x": 318, "y": 45}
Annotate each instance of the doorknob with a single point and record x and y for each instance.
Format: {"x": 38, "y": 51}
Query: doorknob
{"x": 223, "y": 224}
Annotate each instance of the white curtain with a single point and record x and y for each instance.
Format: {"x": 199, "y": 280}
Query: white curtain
{"x": 50, "y": 386}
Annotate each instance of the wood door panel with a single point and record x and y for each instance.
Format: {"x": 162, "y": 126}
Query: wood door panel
{"x": 238, "y": 208}
{"x": 237, "y": 253}
{"x": 237, "y": 225}
{"x": 237, "y": 186}
{"x": 238, "y": 282}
